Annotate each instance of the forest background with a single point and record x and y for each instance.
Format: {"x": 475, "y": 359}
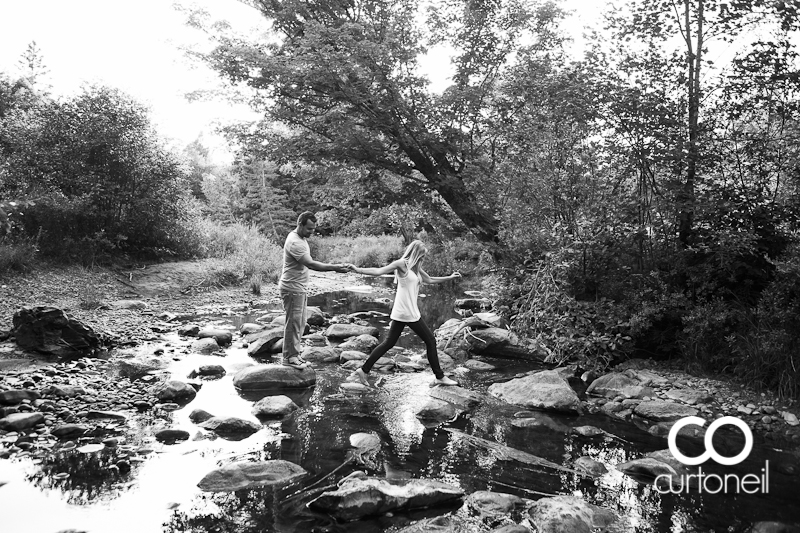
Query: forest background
{"x": 640, "y": 199}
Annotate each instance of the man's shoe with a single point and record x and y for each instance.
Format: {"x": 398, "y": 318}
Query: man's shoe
{"x": 444, "y": 380}
{"x": 295, "y": 362}
{"x": 360, "y": 376}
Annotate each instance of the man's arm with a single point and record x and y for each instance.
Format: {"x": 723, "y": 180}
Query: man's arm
{"x": 323, "y": 267}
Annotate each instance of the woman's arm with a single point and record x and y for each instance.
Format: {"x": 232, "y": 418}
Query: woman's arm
{"x": 437, "y": 279}
{"x": 379, "y": 271}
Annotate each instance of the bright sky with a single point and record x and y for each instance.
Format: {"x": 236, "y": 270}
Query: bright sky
{"x": 132, "y": 46}
{"x": 135, "y": 47}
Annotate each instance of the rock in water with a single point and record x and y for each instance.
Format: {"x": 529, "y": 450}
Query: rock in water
{"x": 544, "y": 390}
{"x": 357, "y": 498}
{"x": 263, "y": 377}
{"x": 250, "y": 475}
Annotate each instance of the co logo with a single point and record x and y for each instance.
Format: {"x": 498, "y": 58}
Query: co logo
{"x": 710, "y": 451}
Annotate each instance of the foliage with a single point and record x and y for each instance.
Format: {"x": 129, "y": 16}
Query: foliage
{"x": 596, "y": 334}
{"x": 243, "y": 253}
{"x": 344, "y": 81}
{"x": 101, "y": 180}
{"x": 363, "y": 251}
{"x": 19, "y": 256}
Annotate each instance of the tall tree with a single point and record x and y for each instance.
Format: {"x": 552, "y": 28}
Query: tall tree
{"x": 694, "y": 25}
{"x": 345, "y": 76}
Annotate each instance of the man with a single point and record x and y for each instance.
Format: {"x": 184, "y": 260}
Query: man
{"x": 292, "y": 285}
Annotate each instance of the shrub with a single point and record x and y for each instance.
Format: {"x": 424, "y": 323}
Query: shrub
{"x": 243, "y": 252}
{"x": 18, "y": 256}
{"x": 540, "y": 306}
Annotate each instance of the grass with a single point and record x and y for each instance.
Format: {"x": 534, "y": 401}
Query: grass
{"x": 17, "y": 257}
{"x": 368, "y": 251}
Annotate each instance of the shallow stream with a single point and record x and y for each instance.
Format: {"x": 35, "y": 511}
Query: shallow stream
{"x": 160, "y": 492}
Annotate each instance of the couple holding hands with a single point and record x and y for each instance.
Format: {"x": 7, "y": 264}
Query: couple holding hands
{"x": 408, "y": 273}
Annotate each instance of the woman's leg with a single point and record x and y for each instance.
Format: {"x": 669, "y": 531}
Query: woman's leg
{"x": 421, "y": 328}
{"x": 395, "y": 329}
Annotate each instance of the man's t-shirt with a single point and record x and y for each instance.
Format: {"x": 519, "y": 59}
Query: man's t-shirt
{"x": 295, "y": 275}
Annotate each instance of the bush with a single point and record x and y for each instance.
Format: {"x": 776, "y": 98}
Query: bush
{"x": 538, "y": 301}
{"x": 101, "y": 180}
{"x": 18, "y": 256}
{"x": 242, "y": 250}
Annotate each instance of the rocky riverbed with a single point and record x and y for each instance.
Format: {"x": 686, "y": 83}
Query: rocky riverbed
{"x": 121, "y": 400}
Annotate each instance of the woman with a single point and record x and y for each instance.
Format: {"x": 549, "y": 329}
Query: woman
{"x": 405, "y": 312}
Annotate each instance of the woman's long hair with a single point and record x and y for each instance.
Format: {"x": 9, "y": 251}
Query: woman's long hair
{"x": 414, "y": 254}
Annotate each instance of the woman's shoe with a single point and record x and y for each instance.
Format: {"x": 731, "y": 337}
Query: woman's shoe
{"x": 360, "y": 376}
{"x": 444, "y": 380}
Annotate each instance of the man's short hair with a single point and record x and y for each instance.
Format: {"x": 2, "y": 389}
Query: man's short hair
{"x": 304, "y": 217}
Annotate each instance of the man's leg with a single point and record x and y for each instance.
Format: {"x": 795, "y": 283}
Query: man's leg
{"x": 294, "y": 305}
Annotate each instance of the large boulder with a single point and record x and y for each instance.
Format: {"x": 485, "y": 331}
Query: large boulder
{"x": 359, "y": 497}
{"x": 345, "y": 331}
{"x": 246, "y": 475}
{"x": 272, "y": 376}
{"x": 48, "y": 330}
{"x": 545, "y": 390}
{"x": 500, "y": 342}
{"x": 569, "y": 514}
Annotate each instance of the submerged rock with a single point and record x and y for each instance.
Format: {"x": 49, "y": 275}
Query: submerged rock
{"x": 489, "y": 504}
{"x": 357, "y": 498}
{"x": 436, "y": 410}
{"x": 569, "y": 514}
{"x": 247, "y": 475}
